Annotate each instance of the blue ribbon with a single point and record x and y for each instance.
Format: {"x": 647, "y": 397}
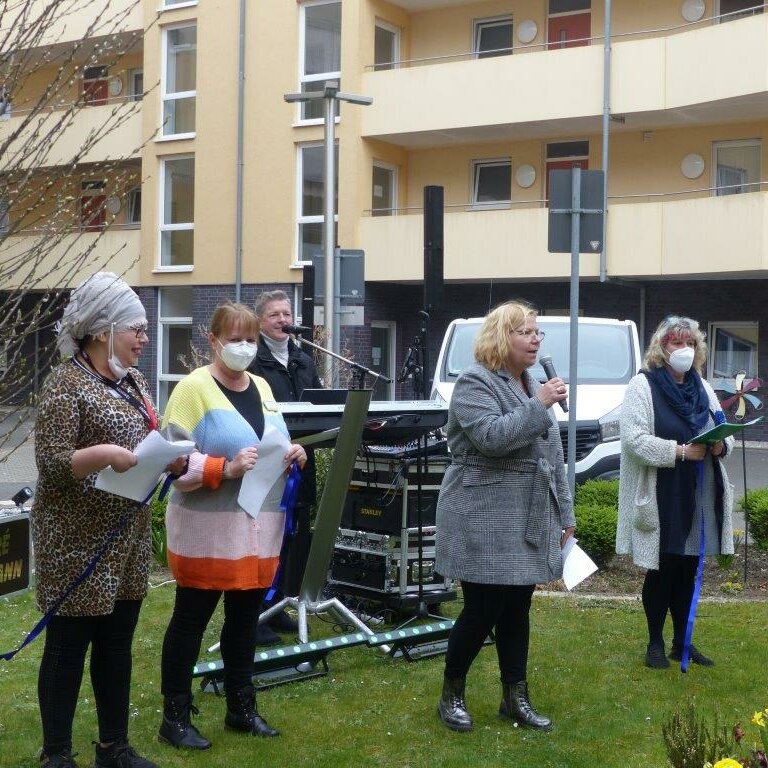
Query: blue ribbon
{"x": 53, "y": 610}
{"x": 287, "y": 505}
{"x": 685, "y": 657}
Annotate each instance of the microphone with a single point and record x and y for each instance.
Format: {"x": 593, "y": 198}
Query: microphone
{"x": 296, "y": 328}
{"x": 549, "y": 370}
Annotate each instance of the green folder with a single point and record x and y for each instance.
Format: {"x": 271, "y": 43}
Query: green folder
{"x": 721, "y": 431}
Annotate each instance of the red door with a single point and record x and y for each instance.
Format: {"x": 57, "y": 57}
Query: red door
{"x": 569, "y": 31}
{"x": 564, "y": 165}
{"x": 93, "y": 214}
{"x": 95, "y": 92}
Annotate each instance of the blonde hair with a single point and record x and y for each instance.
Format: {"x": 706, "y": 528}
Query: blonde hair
{"x": 675, "y": 325}
{"x": 493, "y": 342}
{"x": 228, "y": 314}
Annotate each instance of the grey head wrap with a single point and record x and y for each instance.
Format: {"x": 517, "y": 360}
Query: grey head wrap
{"x": 95, "y": 305}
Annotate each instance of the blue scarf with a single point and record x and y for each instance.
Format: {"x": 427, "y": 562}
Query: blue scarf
{"x": 688, "y": 400}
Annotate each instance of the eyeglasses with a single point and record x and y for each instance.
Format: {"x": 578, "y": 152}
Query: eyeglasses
{"x": 139, "y": 330}
{"x": 529, "y": 333}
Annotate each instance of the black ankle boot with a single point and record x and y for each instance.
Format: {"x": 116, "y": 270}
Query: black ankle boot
{"x": 176, "y": 728}
{"x": 242, "y": 714}
{"x": 120, "y": 755}
{"x": 516, "y": 705}
{"x": 64, "y": 759}
{"x": 451, "y": 707}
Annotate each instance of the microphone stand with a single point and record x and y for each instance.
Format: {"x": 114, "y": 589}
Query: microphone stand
{"x": 360, "y": 371}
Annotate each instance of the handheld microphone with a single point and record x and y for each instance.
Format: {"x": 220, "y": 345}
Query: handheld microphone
{"x": 549, "y": 370}
{"x": 296, "y": 328}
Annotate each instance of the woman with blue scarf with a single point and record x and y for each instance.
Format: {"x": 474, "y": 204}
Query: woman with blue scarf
{"x": 674, "y": 496}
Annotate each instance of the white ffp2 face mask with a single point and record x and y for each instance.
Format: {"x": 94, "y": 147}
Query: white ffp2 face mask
{"x": 238, "y": 355}
{"x": 118, "y": 370}
{"x": 681, "y": 360}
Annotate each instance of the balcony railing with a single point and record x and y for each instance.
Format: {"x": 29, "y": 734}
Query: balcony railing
{"x": 593, "y": 40}
{"x": 702, "y": 236}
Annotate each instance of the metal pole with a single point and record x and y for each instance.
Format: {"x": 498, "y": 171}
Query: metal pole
{"x": 240, "y": 141}
{"x": 328, "y": 239}
{"x": 606, "y": 134}
{"x": 574, "y": 334}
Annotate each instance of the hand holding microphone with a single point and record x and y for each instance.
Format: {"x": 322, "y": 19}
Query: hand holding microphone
{"x": 554, "y": 390}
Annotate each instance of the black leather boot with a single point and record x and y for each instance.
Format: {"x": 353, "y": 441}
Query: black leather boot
{"x": 176, "y": 728}
{"x": 242, "y": 714}
{"x": 451, "y": 707}
{"x": 516, "y": 706}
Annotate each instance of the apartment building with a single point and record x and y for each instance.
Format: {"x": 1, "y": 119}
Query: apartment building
{"x": 481, "y": 97}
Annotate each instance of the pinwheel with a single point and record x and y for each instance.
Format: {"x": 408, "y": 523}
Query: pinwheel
{"x": 740, "y": 388}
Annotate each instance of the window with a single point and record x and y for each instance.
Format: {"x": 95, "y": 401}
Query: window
{"x": 737, "y": 166}
{"x": 179, "y": 80}
{"x": 383, "y": 359}
{"x": 386, "y": 46}
{"x": 5, "y": 218}
{"x": 569, "y": 6}
{"x": 384, "y": 191}
{"x": 320, "y": 52}
{"x": 93, "y": 212}
{"x": 492, "y": 182}
{"x": 563, "y": 155}
{"x": 736, "y": 9}
{"x": 95, "y": 86}
{"x": 311, "y": 199}
{"x": 174, "y": 339}
{"x": 177, "y": 212}
{"x": 136, "y": 84}
{"x": 177, "y": 3}
{"x": 733, "y": 349}
{"x": 5, "y": 104}
{"x": 133, "y": 215}
{"x": 493, "y": 37}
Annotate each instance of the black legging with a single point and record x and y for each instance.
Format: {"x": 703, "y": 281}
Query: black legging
{"x": 670, "y": 588}
{"x": 488, "y": 606}
{"x": 61, "y": 672}
{"x": 191, "y": 613}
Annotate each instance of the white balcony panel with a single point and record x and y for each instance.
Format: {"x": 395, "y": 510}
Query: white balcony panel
{"x": 711, "y": 74}
{"x": 705, "y": 237}
{"x": 72, "y": 20}
{"x": 70, "y": 259}
{"x": 108, "y": 132}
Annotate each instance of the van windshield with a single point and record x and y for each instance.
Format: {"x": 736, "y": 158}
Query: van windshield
{"x": 605, "y": 352}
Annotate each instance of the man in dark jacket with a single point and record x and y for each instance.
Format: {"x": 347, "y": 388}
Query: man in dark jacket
{"x": 289, "y": 371}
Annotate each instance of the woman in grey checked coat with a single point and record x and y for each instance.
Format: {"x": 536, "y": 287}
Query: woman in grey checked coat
{"x": 504, "y": 510}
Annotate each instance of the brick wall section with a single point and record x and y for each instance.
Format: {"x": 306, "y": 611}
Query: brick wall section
{"x": 148, "y": 360}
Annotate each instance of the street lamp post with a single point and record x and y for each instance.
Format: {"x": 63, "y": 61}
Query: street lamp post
{"x": 331, "y": 95}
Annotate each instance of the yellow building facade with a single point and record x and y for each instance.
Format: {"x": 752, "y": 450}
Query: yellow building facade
{"x": 481, "y": 98}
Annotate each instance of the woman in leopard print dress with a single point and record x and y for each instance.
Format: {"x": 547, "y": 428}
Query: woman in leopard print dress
{"x": 93, "y": 411}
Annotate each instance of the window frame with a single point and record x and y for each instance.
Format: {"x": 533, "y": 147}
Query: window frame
{"x": 162, "y": 227}
{"x": 391, "y": 326}
{"x": 313, "y": 219}
{"x": 396, "y": 31}
{"x": 177, "y": 321}
{"x": 133, "y": 94}
{"x": 171, "y": 6}
{"x": 176, "y": 95}
{"x": 5, "y": 217}
{"x": 736, "y": 14}
{"x": 130, "y": 198}
{"x": 712, "y": 329}
{"x": 317, "y": 78}
{"x": 491, "y": 21}
{"x": 736, "y": 143}
{"x": 487, "y": 162}
{"x": 392, "y": 210}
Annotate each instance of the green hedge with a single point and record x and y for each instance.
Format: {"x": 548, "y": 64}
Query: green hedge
{"x": 755, "y": 507}
{"x": 598, "y": 493}
{"x": 596, "y": 530}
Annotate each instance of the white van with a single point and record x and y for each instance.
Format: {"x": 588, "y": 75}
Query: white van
{"x": 609, "y": 356}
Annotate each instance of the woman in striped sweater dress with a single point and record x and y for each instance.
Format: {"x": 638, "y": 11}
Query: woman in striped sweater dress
{"x": 214, "y": 546}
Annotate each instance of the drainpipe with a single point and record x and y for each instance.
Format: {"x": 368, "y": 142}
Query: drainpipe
{"x": 606, "y": 132}
{"x": 240, "y": 132}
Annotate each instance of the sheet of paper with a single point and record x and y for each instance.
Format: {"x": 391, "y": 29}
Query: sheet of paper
{"x": 577, "y": 564}
{"x": 154, "y": 453}
{"x": 269, "y": 468}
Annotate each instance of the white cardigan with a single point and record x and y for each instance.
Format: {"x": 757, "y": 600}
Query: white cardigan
{"x": 642, "y": 452}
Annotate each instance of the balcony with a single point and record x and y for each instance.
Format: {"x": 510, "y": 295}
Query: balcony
{"x": 71, "y": 21}
{"x": 711, "y": 74}
{"x": 69, "y": 258}
{"x": 90, "y": 134}
{"x": 700, "y": 237}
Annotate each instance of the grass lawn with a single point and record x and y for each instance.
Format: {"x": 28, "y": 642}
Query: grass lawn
{"x": 585, "y": 671}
